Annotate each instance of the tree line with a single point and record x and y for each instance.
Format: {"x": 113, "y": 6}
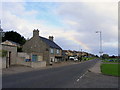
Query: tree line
{"x": 15, "y": 37}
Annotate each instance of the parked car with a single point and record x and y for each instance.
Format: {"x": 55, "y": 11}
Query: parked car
{"x": 73, "y": 58}
{"x": 110, "y": 60}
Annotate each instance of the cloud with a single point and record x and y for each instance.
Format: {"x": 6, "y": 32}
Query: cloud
{"x": 80, "y": 21}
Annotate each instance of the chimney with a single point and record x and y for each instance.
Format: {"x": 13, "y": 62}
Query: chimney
{"x": 51, "y": 38}
{"x": 35, "y": 33}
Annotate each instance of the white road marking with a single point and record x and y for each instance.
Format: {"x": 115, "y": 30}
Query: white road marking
{"x": 78, "y": 80}
{"x": 81, "y": 76}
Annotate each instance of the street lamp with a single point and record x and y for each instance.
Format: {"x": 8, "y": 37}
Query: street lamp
{"x": 100, "y": 42}
{"x": 81, "y": 54}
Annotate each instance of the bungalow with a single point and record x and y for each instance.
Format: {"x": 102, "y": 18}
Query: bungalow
{"x": 43, "y": 49}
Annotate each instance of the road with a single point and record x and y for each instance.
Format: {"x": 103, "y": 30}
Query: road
{"x": 60, "y": 77}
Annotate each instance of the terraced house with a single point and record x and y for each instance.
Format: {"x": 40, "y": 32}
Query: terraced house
{"x": 43, "y": 49}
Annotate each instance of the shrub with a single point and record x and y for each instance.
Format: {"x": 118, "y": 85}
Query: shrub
{"x": 3, "y": 53}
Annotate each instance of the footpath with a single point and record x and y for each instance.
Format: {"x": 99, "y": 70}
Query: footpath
{"x": 96, "y": 68}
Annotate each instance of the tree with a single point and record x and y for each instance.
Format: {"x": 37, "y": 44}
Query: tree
{"x": 96, "y": 56}
{"x": 105, "y": 56}
{"x": 14, "y": 36}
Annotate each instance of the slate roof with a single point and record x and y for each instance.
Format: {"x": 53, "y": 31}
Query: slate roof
{"x": 52, "y": 44}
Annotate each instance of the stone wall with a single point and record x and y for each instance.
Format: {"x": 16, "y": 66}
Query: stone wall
{"x": 38, "y": 64}
{"x": 3, "y": 62}
{"x": 21, "y": 59}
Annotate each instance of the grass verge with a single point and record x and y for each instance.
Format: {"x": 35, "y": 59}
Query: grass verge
{"x": 110, "y": 69}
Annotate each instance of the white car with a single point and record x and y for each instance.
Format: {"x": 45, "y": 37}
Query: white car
{"x": 73, "y": 58}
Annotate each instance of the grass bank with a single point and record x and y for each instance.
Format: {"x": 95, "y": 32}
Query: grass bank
{"x": 110, "y": 69}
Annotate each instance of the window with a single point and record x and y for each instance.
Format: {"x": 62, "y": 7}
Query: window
{"x": 58, "y": 51}
{"x": 51, "y": 50}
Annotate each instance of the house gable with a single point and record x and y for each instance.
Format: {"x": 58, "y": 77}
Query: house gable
{"x": 35, "y": 44}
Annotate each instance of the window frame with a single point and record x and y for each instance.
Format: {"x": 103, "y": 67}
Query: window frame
{"x": 57, "y": 51}
{"x": 51, "y": 51}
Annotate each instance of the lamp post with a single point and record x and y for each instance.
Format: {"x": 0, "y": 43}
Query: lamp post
{"x": 81, "y": 54}
{"x": 100, "y": 42}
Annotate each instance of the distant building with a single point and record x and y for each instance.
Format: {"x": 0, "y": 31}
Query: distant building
{"x": 43, "y": 49}
{"x": 69, "y": 53}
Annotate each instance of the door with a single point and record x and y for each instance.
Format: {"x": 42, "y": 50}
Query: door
{"x": 9, "y": 58}
{"x": 34, "y": 58}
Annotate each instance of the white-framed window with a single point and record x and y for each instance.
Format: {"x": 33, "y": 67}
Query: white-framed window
{"x": 58, "y": 51}
{"x": 51, "y": 50}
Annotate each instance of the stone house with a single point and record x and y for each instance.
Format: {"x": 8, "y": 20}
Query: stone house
{"x": 43, "y": 49}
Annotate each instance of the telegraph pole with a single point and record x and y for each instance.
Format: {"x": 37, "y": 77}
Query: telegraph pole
{"x": 100, "y": 42}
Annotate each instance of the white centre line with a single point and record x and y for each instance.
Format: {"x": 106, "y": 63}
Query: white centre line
{"x": 81, "y": 76}
{"x": 78, "y": 80}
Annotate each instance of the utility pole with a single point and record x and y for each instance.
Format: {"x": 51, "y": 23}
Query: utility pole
{"x": 100, "y": 42}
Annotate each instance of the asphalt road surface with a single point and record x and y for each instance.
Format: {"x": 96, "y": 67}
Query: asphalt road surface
{"x": 60, "y": 77}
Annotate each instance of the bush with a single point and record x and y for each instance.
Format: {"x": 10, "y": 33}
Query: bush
{"x": 3, "y": 53}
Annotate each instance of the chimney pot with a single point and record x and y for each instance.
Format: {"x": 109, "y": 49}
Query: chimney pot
{"x": 35, "y": 33}
{"x": 51, "y": 38}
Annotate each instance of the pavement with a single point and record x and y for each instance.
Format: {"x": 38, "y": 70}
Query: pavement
{"x": 96, "y": 68}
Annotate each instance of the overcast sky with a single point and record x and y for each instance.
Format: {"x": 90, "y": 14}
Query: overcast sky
{"x": 73, "y": 24}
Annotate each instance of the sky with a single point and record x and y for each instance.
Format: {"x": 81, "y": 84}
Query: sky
{"x": 72, "y": 24}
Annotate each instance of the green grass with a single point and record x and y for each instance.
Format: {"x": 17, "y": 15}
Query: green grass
{"x": 110, "y": 69}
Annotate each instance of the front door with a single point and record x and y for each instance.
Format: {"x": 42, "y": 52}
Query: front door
{"x": 9, "y": 58}
{"x": 34, "y": 58}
